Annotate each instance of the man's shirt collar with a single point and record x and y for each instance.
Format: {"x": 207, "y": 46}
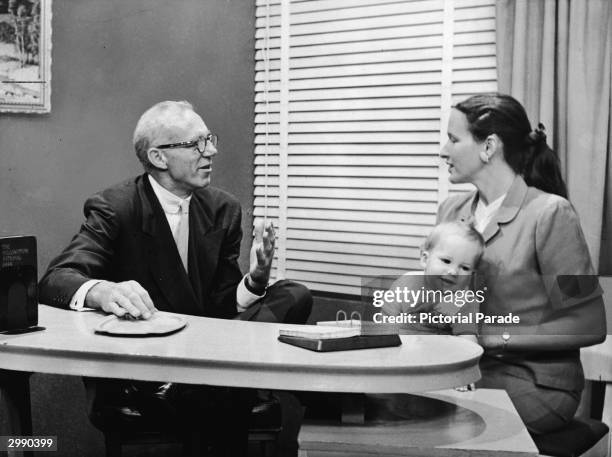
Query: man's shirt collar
{"x": 169, "y": 202}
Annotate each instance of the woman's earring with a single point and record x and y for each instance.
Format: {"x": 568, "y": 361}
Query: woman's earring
{"x": 484, "y": 157}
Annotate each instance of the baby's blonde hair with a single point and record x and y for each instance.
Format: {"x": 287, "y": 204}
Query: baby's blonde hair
{"x": 463, "y": 229}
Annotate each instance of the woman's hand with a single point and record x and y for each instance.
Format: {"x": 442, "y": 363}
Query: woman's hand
{"x": 492, "y": 343}
{"x": 467, "y": 388}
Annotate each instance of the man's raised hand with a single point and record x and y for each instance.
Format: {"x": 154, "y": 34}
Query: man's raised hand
{"x": 262, "y": 252}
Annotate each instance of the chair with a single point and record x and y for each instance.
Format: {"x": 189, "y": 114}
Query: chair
{"x": 127, "y": 425}
{"x": 266, "y": 436}
{"x": 580, "y": 438}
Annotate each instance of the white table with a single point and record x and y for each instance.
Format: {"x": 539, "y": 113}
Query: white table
{"x": 225, "y": 352}
{"x": 446, "y": 423}
{"x": 237, "y": 354}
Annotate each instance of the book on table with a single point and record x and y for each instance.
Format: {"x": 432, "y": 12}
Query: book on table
{"x": 364, "y": 327}
{"x": 322, "y": 333}
{"x": 328, "y": 338}
{"x": 18, "y": 285}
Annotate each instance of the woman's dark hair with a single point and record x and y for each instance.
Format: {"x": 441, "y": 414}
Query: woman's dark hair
{"x": 525, "y": 150}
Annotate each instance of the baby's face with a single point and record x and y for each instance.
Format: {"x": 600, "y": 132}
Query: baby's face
{"x": 450, "y": 263}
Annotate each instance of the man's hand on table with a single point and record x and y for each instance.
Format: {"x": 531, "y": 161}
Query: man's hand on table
{"x": 121, "y": 298}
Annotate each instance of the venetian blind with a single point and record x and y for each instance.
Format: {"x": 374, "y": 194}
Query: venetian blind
{"x": 351, "y": 103}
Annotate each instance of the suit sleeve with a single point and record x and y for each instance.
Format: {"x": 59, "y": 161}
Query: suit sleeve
{"x": 88, "y": 256}
{"x": 228, "y": 274}
{"x": 566, "y": 269}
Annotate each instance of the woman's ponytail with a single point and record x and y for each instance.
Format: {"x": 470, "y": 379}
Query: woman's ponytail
{"x": 541, "y": 168}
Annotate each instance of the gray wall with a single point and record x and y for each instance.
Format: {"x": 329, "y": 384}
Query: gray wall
{"x": 111, "y": 60}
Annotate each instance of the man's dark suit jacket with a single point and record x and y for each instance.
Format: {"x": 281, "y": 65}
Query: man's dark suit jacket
{"x": 127, "y": 237}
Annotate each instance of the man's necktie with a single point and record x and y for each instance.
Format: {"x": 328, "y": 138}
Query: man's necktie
{"x": 181, "y": 236}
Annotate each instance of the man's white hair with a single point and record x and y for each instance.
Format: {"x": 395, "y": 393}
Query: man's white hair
{"x": 153, "y": 122}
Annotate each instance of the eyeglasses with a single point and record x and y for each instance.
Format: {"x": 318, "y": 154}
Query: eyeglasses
{"x": 199, "y": 144}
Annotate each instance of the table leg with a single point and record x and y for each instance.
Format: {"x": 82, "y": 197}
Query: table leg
{"x": 606, "y": 415}
{"x": 15, "y": 407}
{"x": 292, "y": 414}
{"x": 586, "y": 400}
{"x": 353, "y": 409}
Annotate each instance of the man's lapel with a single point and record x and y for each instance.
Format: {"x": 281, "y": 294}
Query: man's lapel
{"x": 163, "y": 257}
{"x": 466, "y": 211}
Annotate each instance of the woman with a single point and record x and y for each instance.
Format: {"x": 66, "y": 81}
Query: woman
{"x": 536, "y": 263}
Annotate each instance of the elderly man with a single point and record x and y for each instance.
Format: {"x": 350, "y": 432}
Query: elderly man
{"x": 167, "y": 240}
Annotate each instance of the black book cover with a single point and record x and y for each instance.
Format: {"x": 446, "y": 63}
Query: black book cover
{"x": 18, "y": 283}
{"x": 342, "y": 344}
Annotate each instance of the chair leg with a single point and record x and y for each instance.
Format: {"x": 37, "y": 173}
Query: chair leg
{"x": 292, "y": 415}
{"x": 606, "y": 416}
{"x": 112, "y": 443}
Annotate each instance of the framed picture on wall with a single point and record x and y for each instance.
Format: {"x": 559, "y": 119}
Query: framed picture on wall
{"x": 25, "y": 56}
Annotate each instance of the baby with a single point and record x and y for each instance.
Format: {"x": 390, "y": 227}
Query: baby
{"x": 438, "y": 297}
